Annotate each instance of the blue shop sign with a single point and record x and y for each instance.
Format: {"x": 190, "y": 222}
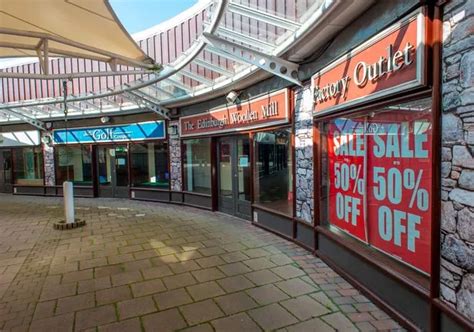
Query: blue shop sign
{"x": 120, "y": 133}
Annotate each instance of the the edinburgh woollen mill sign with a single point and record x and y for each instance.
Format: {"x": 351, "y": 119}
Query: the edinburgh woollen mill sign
{"x": 268, "y": 110}
{"x": 390, "y": 62}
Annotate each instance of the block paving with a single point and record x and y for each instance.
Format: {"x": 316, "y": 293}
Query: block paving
{"x": 140, "y": 266}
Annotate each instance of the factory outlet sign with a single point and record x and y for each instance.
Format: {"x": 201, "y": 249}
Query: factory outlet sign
{"x": 119, "y": 133}
{"x": 19, "y": 138}
{"x": 268, "y": 110}
{"x": 390, "y": 62}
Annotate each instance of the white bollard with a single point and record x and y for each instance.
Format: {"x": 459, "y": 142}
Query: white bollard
{"x": 68, "y": 192}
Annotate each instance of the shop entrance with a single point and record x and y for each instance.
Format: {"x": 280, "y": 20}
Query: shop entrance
{"x": 5, "y": 171}
{"x": 112, "y": 172}
{"x": 234, "y": 176}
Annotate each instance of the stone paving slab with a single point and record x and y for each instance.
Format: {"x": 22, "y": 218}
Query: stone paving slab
{"x": 140, "y": 266}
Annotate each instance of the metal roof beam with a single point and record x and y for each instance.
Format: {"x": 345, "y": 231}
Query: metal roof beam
{"x": 213, "y": 67}
{"x": 159, "y": 89}
{"x": 277, "y": 66}
{"x": 231, "y": 57}
{"x": 245, "y": 39}
{"x": 4, "y": 74}
{"x": 178, "y": 84}
{"x": 145, "y": 96}
{"x": 163, "y": 111}
{"x": 275, "y": 20}
{"x": 138, "y": 100}
{"x": 90, "y": 104}
{"x": 142, "y": 101}
{"x": 196, "y": 77}
{"x": 25, "y": 118}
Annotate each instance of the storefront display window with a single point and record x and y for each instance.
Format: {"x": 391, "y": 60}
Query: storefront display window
{"x": 197, "y": 165}
{"x": 376, "y": 179}
{"x": 273, "y": 170}
{"x": 28, "y": 166}
{"x": 149, "y": 162}
{"x": 74, "y": 163}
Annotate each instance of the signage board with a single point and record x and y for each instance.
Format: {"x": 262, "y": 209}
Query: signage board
{"x": 390, "y": 62}
{"x": 19, "y": 138}
{"x": 268, "y": 110}
{"x": 119, "y": 133}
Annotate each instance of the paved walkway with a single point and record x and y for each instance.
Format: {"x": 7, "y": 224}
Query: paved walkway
{"x": 144, "y": 266}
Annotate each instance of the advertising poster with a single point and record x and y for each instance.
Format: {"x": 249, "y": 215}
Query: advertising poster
{"x": 398, "y": 182}
{"x": 346, "y": 153}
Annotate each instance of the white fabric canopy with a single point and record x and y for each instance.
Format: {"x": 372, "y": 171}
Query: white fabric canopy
{"x": 73, "y": 28}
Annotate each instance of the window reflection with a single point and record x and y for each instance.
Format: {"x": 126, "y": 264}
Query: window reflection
{"x": 150, "y": 165}
{"x": 73, "y": 164}
{"x": 197, "y": 165}
{"x": 28, "y": 166}
{"x": 273, "y": 170}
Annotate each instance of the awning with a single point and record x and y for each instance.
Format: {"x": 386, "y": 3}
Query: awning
{"x": 72, "y": 28}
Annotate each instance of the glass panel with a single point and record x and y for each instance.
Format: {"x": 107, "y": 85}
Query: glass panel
{"x": 7, "y": 166}
{"x": 28, "y": 166}
{"x": 197, "y": 165}
{"x": 377, "y": 177}
{"x": 243, "y": 168}
{"x": 295, "y": 10}
{"x": 73, "y": 164}
{"x": 225, "y": 168}
{"x": 121, "y": 166}
{"x": 105, "y": 165}
{"x": 150, "y": 165}
{"x": 273, "y": 170}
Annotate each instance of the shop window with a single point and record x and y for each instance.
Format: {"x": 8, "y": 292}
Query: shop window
{"x": 273, "y": 170}
{"x": 376, "y": 178}
{"x": 73, "y": 164}
{"x": 28, "y": 166}
{"x": 197, "y": 165}
{"x": 149, "y": 163}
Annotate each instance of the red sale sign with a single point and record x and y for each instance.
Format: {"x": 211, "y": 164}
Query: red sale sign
{"x": 398, "y": 182}
{"x": 379, "y": 178}
{"x": 346, "y": 176}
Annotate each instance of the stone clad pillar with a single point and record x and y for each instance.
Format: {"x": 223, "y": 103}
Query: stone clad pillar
{"x": 304, "y": 153}
{"x": 457, "y": 165}
{"x": 175, "y": 160}
{"x": 48, "y": 160}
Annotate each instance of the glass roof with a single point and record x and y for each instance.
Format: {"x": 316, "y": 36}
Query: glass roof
{"x": 239, "y": 37}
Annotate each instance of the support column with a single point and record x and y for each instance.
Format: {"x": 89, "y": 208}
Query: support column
{"x": 175, "y": 160}
{"x": 457, "y": 165}
{"x": 48, "y": 160}
{"x": 304, "y": 153}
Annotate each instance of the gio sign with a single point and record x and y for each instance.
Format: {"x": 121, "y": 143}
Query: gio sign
{"x": 390, "y": 62}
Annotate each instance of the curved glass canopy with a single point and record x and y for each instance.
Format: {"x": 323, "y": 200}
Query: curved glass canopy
{"x": 225, "y": 43}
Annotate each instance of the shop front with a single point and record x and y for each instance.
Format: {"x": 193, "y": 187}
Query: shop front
{"x": 109, "y": 161}
{"x": 21, "y": 160}
{"x": 374, "y": 173}
{"x": 238, "y": 159}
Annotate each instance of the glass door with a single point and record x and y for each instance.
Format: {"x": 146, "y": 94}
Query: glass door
{"x": 234, "y": 176}
{"x": 112, "y": 163}
{"x": 5, "y": 171}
